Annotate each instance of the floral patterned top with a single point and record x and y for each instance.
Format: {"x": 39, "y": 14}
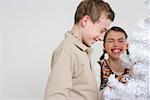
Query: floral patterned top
{"x": 103, "y": 73}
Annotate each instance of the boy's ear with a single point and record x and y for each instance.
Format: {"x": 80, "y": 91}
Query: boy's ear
{"x": 85, "y": 20}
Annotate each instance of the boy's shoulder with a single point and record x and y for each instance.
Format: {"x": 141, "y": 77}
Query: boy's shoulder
{"x": 64, "y": 45}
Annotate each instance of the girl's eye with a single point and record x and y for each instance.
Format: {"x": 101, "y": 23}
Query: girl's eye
{"x": 110, "y": 41}
{"x": 121, "y": 41}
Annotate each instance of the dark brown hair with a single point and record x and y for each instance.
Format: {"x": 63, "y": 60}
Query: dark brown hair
{"x": 116, "y": 29}
{"x": 94, "y": 9}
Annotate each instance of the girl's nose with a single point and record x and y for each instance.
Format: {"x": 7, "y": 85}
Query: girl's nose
{"x": 116, "y": 43}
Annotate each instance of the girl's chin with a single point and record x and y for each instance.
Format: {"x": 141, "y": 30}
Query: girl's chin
{"x": 115, "y": 56}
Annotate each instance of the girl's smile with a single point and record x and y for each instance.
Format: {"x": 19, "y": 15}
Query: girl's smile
{"x": 116, "y": 50}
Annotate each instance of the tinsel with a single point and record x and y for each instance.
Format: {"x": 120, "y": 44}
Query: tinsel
{"x": 138, "y": 86}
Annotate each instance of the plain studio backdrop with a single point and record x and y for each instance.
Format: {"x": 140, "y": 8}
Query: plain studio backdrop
{"x": 31, "y": 29}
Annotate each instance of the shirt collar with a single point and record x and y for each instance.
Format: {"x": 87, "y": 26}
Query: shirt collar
{"x": 78, "y": 43}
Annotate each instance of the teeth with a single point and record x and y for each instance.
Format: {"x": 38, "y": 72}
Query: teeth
{"x": 116, "y": 50}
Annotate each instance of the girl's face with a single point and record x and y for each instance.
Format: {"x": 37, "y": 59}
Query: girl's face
{"x": 115, "y": 44}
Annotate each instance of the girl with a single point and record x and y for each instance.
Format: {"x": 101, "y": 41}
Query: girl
{"x": 115, "y": 44}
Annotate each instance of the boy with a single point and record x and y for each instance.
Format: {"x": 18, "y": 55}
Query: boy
{"x": 71, "y": 75}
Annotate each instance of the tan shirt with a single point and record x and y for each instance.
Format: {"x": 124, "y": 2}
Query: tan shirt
{"x": 71, "y": 76}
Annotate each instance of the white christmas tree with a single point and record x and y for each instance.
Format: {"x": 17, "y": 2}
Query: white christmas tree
{"x": 138, "y": 86}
